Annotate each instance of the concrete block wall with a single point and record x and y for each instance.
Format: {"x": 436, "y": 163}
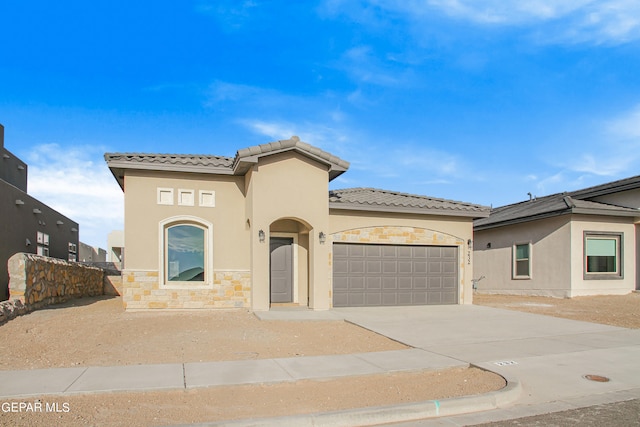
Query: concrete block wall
{"x": 142, "y": 291}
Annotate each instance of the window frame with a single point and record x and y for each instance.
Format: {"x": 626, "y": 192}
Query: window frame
{"x": 514, "y": 261}
{"x": 618, "y": 237}
{"x": 163, "y": 264}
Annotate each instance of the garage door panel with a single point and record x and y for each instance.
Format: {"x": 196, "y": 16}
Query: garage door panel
{"x": 405, "y": 267}
{"x": 356, "y": 266}
{"x": 389, "y": 267}
{"x": 356, "y": 283}
{"x": 419, "y": 298}
{"x": 387, "y": 275}
{"x": 420, "y": 283}
{"x": 374, "y": 267}
{"x": 373, "y": 251}
{"x": 435, "y": 283}
{"x": 449, "y": 267}
{"x": 390, "y": 282}
{"x": 356, "y": 251}
{"x": 420, "y": 267}
{"x": 450, "y": 253}
{"x": 435, "y": 267}
{"x": 405, "y": 282}
{"x": 420, "y": 252}
{"x": 374, "y": 283}
{"x": 403, "y": 251}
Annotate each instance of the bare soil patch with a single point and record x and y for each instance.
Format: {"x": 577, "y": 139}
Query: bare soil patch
{"x": 98, "y": 332}
{"x": 614, "y": 310}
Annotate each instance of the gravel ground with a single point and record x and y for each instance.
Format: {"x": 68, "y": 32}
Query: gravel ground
{"x": 98, "y": 332}
{"x": 615, "y": 310}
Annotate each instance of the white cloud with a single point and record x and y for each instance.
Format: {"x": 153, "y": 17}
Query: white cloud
{"x": 336, "y": 140}
{"x": 76, "y": 182}
{"x": 551, "y": 21}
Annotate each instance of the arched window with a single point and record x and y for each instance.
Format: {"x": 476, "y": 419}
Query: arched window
{"x": 186, "y": 252}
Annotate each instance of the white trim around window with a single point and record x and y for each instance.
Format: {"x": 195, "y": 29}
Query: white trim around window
{"x": 163, "y": 253}
{"x": 522, "y": 261}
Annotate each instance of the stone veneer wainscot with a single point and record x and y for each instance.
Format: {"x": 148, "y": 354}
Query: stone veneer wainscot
{"x": 142, "y": 291}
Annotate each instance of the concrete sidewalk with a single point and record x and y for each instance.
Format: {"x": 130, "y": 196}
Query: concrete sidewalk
{"x": 66, "y": 381}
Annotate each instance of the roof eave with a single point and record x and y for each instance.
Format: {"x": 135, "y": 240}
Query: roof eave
{"x": 582, "y": 211}
{"x": 241, "y": 165}
{"x": 410, "y": 210}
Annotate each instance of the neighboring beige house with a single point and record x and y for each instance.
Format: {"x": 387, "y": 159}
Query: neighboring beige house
{"x": 584, "y": 242}
{"x": 258, "y": 230}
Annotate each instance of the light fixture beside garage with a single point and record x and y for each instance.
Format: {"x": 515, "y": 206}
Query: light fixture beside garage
{"x": 261, "y": 236}
{"x": 322, "y": 237}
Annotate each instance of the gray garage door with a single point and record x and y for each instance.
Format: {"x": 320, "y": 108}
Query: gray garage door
{"x": 375, "y": 275}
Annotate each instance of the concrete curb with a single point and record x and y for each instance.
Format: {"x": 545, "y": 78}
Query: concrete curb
{"x": 392, "y": 413}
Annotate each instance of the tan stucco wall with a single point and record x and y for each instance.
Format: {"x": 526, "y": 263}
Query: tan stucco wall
{"x": 143, "y": 214}
{"x": 557, "y": 257}
{"x": 393, "y": 228}
{"x": 550, "y": 258}
{"x": 228, "y": 284}
{"x": 289, "y": 186}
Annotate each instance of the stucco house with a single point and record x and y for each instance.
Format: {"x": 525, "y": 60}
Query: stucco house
{"x": 262, "y": 229}
{"x": 577, "y": 243}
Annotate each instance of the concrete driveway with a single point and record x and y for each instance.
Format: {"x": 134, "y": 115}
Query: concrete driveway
{"x": 549, "y": 356}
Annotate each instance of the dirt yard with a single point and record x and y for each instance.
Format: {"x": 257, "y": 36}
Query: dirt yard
{"x": 615, "y": 310}
{"x": 98, "y": 332}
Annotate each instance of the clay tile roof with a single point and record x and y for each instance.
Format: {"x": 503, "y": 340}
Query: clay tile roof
{"x": 373, "y": 199}
{"x": 171, "y": 159}
{"x": 246, "y": 156}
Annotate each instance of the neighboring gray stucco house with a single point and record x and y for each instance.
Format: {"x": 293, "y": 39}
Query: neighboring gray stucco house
{"x": 27, "y": 224}
{"x": 583, "y": 242}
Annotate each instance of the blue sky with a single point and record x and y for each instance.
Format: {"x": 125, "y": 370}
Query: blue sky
{"x": 475, "y": 100}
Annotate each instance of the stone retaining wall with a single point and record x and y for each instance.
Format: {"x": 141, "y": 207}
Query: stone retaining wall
{"x": 37, "y": 281}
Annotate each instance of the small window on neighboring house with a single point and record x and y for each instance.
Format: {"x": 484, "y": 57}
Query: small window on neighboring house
{"x": 522, "y": 261}
{"x": 43, "y": 250}
{"x": 602, "y": 256}
{"x": 73, "y": 248}
{"x": 165, "y": 196}
{"x": 186, "y": 197}
{"x": 72, "y": 257}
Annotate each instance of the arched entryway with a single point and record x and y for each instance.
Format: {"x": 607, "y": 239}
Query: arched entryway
{"x": 289, "y": 263}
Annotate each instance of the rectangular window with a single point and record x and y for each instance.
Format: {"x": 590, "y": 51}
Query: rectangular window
{"x": 522, "y": 261}
{"x": 43, "y": 250}
{"x": 602, "y": 256}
